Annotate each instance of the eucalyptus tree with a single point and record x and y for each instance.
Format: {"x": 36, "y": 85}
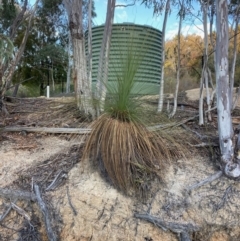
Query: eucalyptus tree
{"x": 225, "y": 128}
{"x": 159, "y": 7}
{"x": 11, "y": 26}
{"x": 234, "y": 12}
{"x": 74, "y": 9}
{"x": 182, "y": 13}
{"x": 89, "y": 54}
{"x": 101, "y": 90}
{"x": 207, "y": 9}
{"x": 44, "y": 59}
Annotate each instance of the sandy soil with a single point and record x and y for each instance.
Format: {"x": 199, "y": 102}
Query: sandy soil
{"x": 84, "y": 206}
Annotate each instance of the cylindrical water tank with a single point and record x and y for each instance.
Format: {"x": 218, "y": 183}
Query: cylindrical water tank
{"x": 145, "y": 39}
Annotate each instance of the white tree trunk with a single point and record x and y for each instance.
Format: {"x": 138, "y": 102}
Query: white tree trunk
{"x": 204, "y": 76}
{"x": 90, "y": 42}
{"x": 233, "y": 64}
{"x": 225, "y": 128}
{"x": 101, "y": 90}
{"x": 161, "y": 91}
{"x": 82, "y": 87}
{"x": 178, "y": 60}
{"x": 69, "y": 64}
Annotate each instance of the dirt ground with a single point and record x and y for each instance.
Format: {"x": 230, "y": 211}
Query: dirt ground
{"x": 83, "y": 205}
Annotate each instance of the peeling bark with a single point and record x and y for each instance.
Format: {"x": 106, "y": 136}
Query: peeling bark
{"x": 82, "y": 86}
{"x": 225, "y": 129}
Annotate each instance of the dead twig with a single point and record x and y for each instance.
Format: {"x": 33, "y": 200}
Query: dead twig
{"x": 203, "y": 144}
{"x": 17, "y": 194}
{"x": 179, "y": 229}
{"x": 170, "y": 125}
{"x": 70, "y": 202}
{"x": 205, "y": 181}
{"x": 57, "y": 180}
{"x": 201, "y": 137}
{"x": 20, "y": 211}
{"x": 4, "y": 215}
{"x": 224, "y": 198}
{"x": 51, "y": 235}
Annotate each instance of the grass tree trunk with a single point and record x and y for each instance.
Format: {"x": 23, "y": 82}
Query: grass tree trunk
{"x": 161, "y": 91}
{"x": 101, "y": 89}
{"x": 82, "y": 86}
{"x": 225, "y": 129}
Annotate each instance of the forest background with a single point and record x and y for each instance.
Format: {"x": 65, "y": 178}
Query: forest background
{"x": 48, "y": 53}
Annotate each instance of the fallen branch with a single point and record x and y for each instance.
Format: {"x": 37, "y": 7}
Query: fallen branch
{"x": 43, "y": 207}
{"x": 201, "y": 137}
{"x": 225, "y": 197}
{"x": 20, "y": 211}
{"x": 205, "y": 181}
{"x": 203, "y": 144}
{"x": 170, "y": 125}
{"x": 4, "y": 215}
{"x": 17, "y": 194}
{"x": 60, "y": 177}
{"x": 49, "y": 130}
{"x": 70, "y": 202}
{"x": 82, "y": 131}
{"x": 182, "y": 229}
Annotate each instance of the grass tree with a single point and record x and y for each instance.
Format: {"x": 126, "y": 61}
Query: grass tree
{"x": 120, "y": 143}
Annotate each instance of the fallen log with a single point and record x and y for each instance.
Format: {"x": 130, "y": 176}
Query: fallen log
{"x": 79, "y": 131}
{"x": 50, "y": 233}
{"x": 17, "y": 194}
{"x": 83, "y": 131}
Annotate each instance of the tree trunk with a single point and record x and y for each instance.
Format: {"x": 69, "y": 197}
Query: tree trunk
{"x": 225, "y": 129}
{"x": 69, "y": 64}
{"x": 82, "y": 87}
{"x": 90, "y": 42}
{"x": 101, "y": 90}
{"x": 204, "y": 76}
{"x": 7, "y": 73}
{"x": 233, "y": 64}
{"x": 178, "y": 60}
{"x": 161, "y": 91}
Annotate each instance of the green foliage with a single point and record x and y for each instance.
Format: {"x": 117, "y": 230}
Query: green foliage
{"x": 121, "y": 103}
{"x": 6, "y": 49}
{"x": 8, "y": 13}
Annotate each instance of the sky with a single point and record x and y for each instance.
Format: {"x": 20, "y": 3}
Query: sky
{"x": 139, "y": 14}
